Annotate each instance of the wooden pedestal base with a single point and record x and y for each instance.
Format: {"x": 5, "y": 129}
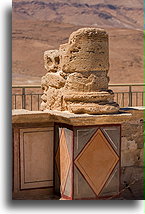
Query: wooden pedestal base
{"x": 87, "y": 161}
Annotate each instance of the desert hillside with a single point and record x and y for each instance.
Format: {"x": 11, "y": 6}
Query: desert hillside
{"x": 40, "y": 25}
{"x": 83, "y": 12}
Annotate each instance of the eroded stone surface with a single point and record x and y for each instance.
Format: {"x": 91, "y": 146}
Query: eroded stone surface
{"x": 77, "y": 78}
{"x": 47, "y": 116}
{"x": 84, "y": 83}
{"x": 87, "y": 50}
{"x": 51, "y": 60}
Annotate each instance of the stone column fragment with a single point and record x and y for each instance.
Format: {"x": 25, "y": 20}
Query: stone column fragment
{"x": 77, "y": 78}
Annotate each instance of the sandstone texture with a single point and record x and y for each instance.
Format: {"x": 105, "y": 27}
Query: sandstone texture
{"x": 86, "y": 50}
{"x": 132, "y": 158}
{"x": 51, "y": 60}
{"x": 77, "y": 78}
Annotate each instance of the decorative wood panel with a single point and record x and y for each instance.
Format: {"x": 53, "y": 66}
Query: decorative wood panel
{"x": 96, "y": 161}
{"x": 82, "y": 136}
{"x": 56, "y": 162}
{"x": 16, "y": 163}
{"x": 36, "y": 157}
{"x": 112, "y": 184}
{"x": 88, "y": 161}
{"x": 69, "y": 141}
{"x": 81, "y": 188}
{"x": 112, "y": 133}
{"x": 63, "y": 160}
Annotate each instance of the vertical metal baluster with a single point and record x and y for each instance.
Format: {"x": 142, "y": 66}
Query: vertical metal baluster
{"x": 130, "y": 96}
{"x": 38, "y": 102}
{"x": 23, "y": 99}
{"x": 15, "y": 101}
{"x": 136, "y": 98}
{"x": 31, "y": 102}
{"x": 120, "y": 99}
{"x": 114, "y": 96}
{"x": 117, "y": 97}
{"x": 123, "y": 98}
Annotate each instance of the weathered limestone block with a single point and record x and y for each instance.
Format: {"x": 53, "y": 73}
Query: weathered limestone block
{"x": 87, "y": 50}
{"x": 53, "y": 80}
{"x": 133, "y": 140}
{"x": 131, "y": 158}
{"x": 77, "y": 78}
{"x": 92, "y": 108}
{"x": 51, "y": 60}
{"x": 85, "y": 83}
{"x": 52, "y": 99}
{"x": 89, "y": 96}
{"x": 134, "y": 177}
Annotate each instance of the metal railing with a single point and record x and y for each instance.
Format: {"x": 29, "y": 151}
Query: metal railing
{"x": 26, "y": 97}
{"x": 29, "y": 96}
{"x": 129, "y": 94}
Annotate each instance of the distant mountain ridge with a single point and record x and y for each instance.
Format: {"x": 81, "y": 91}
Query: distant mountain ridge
{"x": 106, "y": 13}
{"x": 40, "y": 25}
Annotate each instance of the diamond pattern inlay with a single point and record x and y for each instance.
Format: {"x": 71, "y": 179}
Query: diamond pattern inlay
{"x": 96, "y": 161}
{"x": 63, "y": 160}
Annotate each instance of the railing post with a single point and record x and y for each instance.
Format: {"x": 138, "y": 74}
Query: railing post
{"x": 23, "y": 98}
{"x": 130, "y": 96}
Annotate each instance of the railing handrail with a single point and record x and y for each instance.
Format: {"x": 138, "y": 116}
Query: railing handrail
{"x": 26, "y": 86}
{"x": 127, "y": 84}
{"x": 111, "y": 84}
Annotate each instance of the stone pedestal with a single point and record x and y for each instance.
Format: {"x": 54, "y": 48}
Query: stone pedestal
{"x": 86, "y": 157}
{"x": 87, "y": 161}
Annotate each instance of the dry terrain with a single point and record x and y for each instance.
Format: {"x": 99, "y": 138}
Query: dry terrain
{"x": 44, "y": 24}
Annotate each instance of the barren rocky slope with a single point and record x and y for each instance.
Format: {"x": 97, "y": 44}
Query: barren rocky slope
{"x": 40, "y": 25}
{"x": 92, "y": 12}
